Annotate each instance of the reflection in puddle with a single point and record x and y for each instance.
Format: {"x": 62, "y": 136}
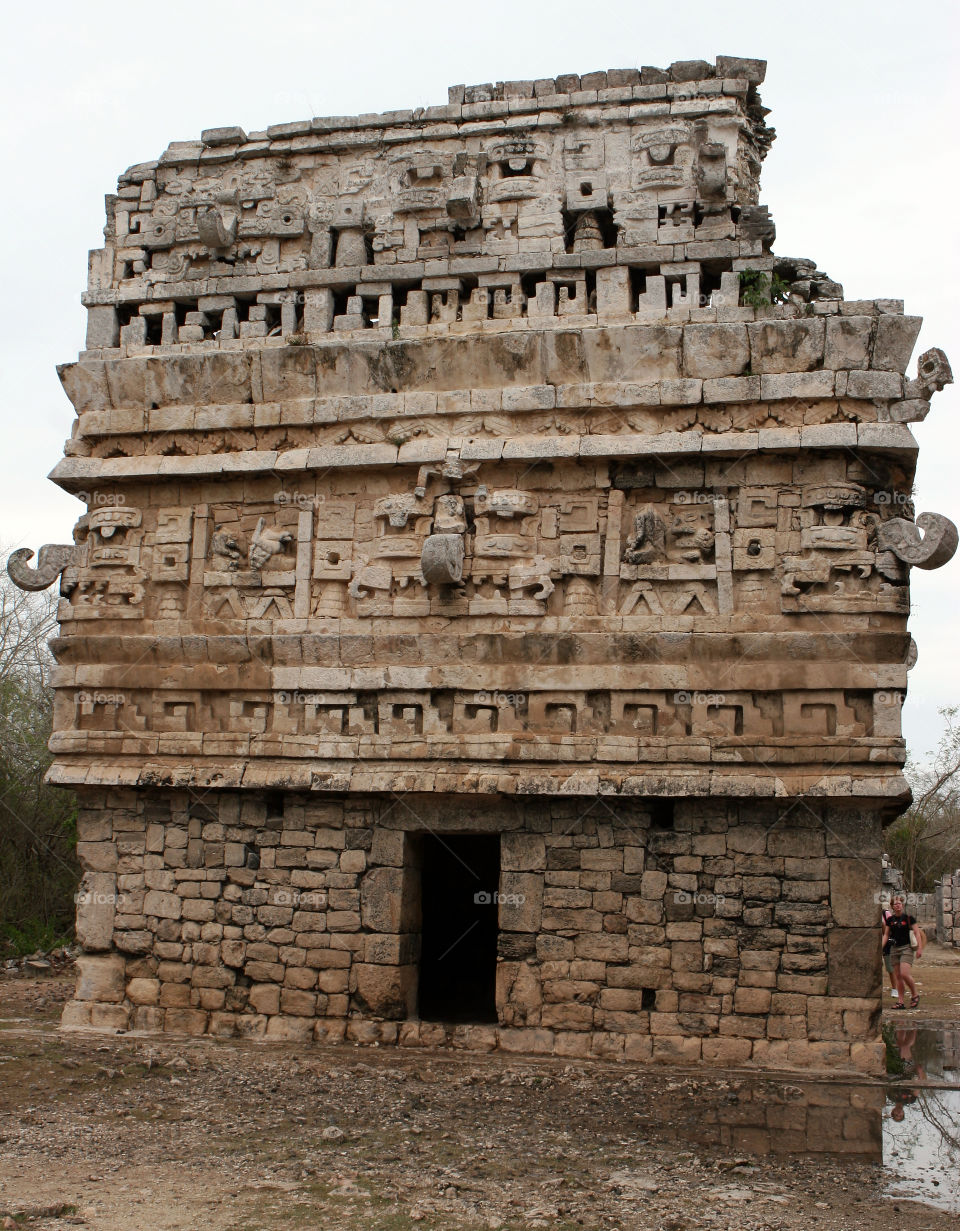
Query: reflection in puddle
{"x": 921, "y": 1119}
{"x": 911, "y": 1123}
{"x": 764, "y": 1115}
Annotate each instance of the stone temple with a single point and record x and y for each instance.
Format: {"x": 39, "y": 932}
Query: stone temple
{"x": 489, "y": 621}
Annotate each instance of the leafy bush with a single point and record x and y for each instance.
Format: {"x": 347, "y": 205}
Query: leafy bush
{"x": 759, "y": 289}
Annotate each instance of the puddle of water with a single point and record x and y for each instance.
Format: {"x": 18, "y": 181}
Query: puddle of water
{"x": 762, "y": 1114}
{"x": 911, "y": 1123}
{"x": 921, "y": 1116}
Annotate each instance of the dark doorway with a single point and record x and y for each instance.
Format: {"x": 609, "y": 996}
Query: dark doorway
{"x": 458, "y": 964}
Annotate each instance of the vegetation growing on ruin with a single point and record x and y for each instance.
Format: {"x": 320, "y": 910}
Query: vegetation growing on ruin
{"x": 759, "y": 289}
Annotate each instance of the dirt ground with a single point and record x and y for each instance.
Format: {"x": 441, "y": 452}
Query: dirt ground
{"x": 177, "y": 1135}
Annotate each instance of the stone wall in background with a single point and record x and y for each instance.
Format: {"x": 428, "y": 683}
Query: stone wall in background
{"x": 948, "y": 910}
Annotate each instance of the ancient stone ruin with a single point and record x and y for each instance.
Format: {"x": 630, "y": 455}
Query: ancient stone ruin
{"x": 948, "y": 910}
{"x": 489, "y": 621}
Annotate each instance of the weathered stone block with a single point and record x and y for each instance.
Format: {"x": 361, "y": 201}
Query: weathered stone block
{"x": 853, "y": 962}
{"x": 752, "y": 1000}
{"x": 109, "y": 1017}
{"x": 143, "y": 991}
{"x": 786, "y": 346}
{"x": 521, "y": 901}
{"x": 386, "y": 991}
{"x": 654, "y": 885}
{"x": 848, "y": 341}
{"x": 265, "y": 999}
{"x": 96, "y": 910}
{"x": 97, "y": 856}
{"x": 163, "y": 905}
{"x": 384, "y": 905}
{"x": 726, "y": 1051}
{"x": 101, "y": 978}
{"x": 76, "y": 1015}
{"x": 895, "y": 339}
{"x": 185, "y": 1021}
{"x": 853, "y": 889}
{"x": 880, "y": 385}
{"x": 522, "y": 852}
{"x": 715, "y": 350}
{"x": 290, "y": 1029}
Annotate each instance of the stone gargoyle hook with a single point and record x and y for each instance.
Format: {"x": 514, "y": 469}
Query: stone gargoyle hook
{"x": 441, "y": 560}
{"x": 902, "y": 537}
{"x": 217, "y": 223}
{"x": 52, "y": 559}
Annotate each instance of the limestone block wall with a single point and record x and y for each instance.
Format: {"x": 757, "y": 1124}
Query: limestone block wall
{"x": 948, "y": 910}
{"x": 729, "y": 932}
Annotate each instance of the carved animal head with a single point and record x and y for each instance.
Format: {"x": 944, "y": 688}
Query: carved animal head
{"x": 225, "y": 545}
{"x": 933, "y": 370}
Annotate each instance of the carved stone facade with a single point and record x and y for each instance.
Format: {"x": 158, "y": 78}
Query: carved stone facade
{"x": 480, "y": 474}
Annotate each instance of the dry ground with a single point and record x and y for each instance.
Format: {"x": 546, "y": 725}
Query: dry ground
{"x": 131, "y": 1134}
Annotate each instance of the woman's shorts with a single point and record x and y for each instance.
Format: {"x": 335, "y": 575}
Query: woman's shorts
{"x": 888, "y": 960}
{"x": 901, "y": 955}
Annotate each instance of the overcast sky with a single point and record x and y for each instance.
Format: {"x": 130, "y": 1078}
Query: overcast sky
{"x": 863, "y": 178}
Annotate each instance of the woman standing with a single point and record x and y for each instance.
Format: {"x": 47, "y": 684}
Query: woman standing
{"x": 886, "y": 914}
{"x": 898, "y": 929}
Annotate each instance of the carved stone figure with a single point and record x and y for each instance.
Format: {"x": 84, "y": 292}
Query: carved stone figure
{"x": 226, "y": 550}
{"x": 690, "y": 536}
{"x": 535, "y": 576}
{"x": 934, "y": 371}
{"x": 649, "y": 539}
{"x": 399, "y": 508}
{"x": 267, "y": 542}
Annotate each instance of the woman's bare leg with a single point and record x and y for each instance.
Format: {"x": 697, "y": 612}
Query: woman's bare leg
{"x": 906, "y": 979}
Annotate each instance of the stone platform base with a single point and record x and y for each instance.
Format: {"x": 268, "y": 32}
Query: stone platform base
{"x": 830, "y": 1057}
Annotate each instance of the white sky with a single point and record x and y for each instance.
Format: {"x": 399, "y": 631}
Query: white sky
{"x": 863, "y": 178}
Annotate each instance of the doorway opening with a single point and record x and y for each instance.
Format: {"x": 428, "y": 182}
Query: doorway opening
{"x": 460, "y": 879}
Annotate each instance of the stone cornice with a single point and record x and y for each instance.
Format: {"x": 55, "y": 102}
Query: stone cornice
{"x": 78, "y": 473}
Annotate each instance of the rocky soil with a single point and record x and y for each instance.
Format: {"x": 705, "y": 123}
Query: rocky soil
{"x": 171, "y": 1135}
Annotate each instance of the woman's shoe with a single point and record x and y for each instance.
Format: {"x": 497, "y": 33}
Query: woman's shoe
{"x": 900, "y": 1005}
{"x": 914, "y": 1002}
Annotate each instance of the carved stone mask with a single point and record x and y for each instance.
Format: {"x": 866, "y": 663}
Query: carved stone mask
{"x": 691, "y": 533}
{"x": 934, "y": 371}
